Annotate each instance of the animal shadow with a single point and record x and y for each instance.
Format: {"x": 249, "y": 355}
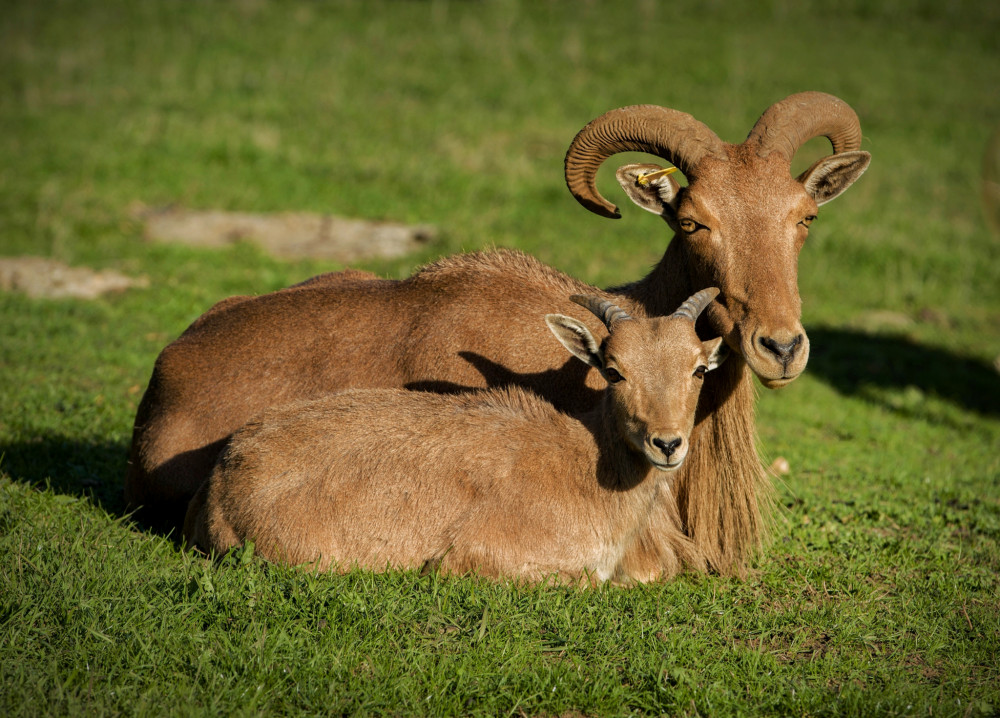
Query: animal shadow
{"x": 553, "y": 385}
{"x": 87, "y": 469}
{"x": 855, "y": 362}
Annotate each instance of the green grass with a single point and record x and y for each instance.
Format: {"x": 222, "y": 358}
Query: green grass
{"x": 879, "y": 592}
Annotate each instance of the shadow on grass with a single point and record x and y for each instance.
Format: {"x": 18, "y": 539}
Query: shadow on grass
{"x": 856, "y": 363}
{"x": 93, "y": 470}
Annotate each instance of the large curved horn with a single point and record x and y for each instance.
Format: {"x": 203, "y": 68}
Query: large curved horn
{"x": 787, "y": 125}
{"x": 604, "y": 310}
{"x": 674, "y": 136}
{"x": 696, "y": 303}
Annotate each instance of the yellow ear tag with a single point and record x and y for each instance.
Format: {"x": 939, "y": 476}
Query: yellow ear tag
{"x": 650, "y": 176}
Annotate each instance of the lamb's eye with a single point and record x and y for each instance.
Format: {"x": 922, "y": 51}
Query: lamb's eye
{"x": 689, "y": 225}
{"x": 613, "y": 376}
{"x": 701, "y": 371}
{"x": 807, "y": 220}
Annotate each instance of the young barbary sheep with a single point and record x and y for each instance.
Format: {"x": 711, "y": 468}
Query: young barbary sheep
{"x": 497, "y": 482}
{"x": 468, "y": 322}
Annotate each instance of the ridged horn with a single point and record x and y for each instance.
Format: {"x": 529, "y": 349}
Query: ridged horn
{"x": 787, "y": 125}
{"x": 606, "y": 311}
{"x": 671, "y": 135}
{"x": 696, "y": 303}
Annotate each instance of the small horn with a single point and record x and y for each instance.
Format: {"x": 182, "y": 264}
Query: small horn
{"x": 696, "y": 304}
{"x": 669, "y": 134}
{"x": 604, "y": 310}
{"x": 787, "y": 125}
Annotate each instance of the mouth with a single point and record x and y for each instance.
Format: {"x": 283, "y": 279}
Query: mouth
{"x": 775, "y": 374}
{"x": 777, "y": 383}
{"x": 667, "y": 466}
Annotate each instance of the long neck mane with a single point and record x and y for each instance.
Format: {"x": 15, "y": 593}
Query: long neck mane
{"x": 668, "y": 284}
{"x": 724, "y": 497}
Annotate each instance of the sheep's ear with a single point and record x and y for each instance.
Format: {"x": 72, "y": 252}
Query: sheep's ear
{"x": 717, "y": 351}
{"x": 574, "y": 335}
{"x": 651, "y": 187}
{"x": 830, "y": 176}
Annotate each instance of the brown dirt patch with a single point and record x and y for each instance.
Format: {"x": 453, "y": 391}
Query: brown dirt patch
{"x": 292, "y": 235}
{"x": 40, "y": 277}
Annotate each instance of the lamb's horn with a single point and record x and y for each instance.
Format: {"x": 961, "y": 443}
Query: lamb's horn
{"x": 606, "y": 311}
{"x": 696, "y": 303}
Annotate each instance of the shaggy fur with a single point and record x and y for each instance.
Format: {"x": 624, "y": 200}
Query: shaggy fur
{"x": 496, "y": 482}
{"x": 474, "y": 321}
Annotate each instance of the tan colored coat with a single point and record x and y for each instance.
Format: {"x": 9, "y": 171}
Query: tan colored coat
{"x": 473, "y": 321}
{"x": 497, "y": 482}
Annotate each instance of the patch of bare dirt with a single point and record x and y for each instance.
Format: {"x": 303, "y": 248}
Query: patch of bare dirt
{"x": 292, "y": 235}
{"x": 40, "y": 277}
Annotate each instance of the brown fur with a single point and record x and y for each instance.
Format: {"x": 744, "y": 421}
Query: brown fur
{"x": 473, "y": 321}
{"x": 496, "y": 482}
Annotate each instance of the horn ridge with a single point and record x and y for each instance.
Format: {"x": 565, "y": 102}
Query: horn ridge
{"x": 669, "y": 134}
{"x": 607, "y": 312}
{"x": 694, "y": 305}
{"x": 788, "y": 124}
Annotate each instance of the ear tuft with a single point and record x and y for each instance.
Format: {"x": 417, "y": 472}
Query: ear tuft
{"x": 717, "y": 351}
{"x": 649, "y": 186}
{"x": 574, "y": 335}
{"x": 830, "y": 176}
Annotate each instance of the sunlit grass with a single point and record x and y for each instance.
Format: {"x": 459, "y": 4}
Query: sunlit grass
{"x": 879, "y": 592}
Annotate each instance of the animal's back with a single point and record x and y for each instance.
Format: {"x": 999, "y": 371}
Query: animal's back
{"x": 465, "y": 322}
{"x": 404, "y": 479}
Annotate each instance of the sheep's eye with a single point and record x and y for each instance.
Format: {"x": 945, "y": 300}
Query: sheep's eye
{"x": 808, "y": 220}
{"x": 689, "y": 225}
{"x": 613, "y": 376}
{"x": 701, "y": 371}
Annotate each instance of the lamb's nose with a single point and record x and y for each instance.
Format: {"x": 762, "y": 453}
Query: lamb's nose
{"x": 667, "y": 447}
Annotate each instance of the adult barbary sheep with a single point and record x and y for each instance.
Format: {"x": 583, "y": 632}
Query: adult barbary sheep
{"x": 497, "y": 482}
{"x": 468, "y": 321}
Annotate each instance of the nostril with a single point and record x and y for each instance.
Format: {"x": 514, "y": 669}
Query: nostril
{"x": 783, "y": 350}
{"x": 667, "y": 447}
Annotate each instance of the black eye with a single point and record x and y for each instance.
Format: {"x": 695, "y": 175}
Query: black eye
{"x": 808, "y": 220}
{"x": 701, "y": 371}
{"x": 613, "y": 376}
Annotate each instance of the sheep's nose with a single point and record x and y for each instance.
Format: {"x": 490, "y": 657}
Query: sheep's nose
{"x": 783, "y": 350}
{"x": 667, "y": 447}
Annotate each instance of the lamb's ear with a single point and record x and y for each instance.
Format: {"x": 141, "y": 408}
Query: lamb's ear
{"x": 574, "y": 335}
{"x": 830, "y": 176}
{"x": 717, "y": 351}
{"x": 651, "y": 187}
